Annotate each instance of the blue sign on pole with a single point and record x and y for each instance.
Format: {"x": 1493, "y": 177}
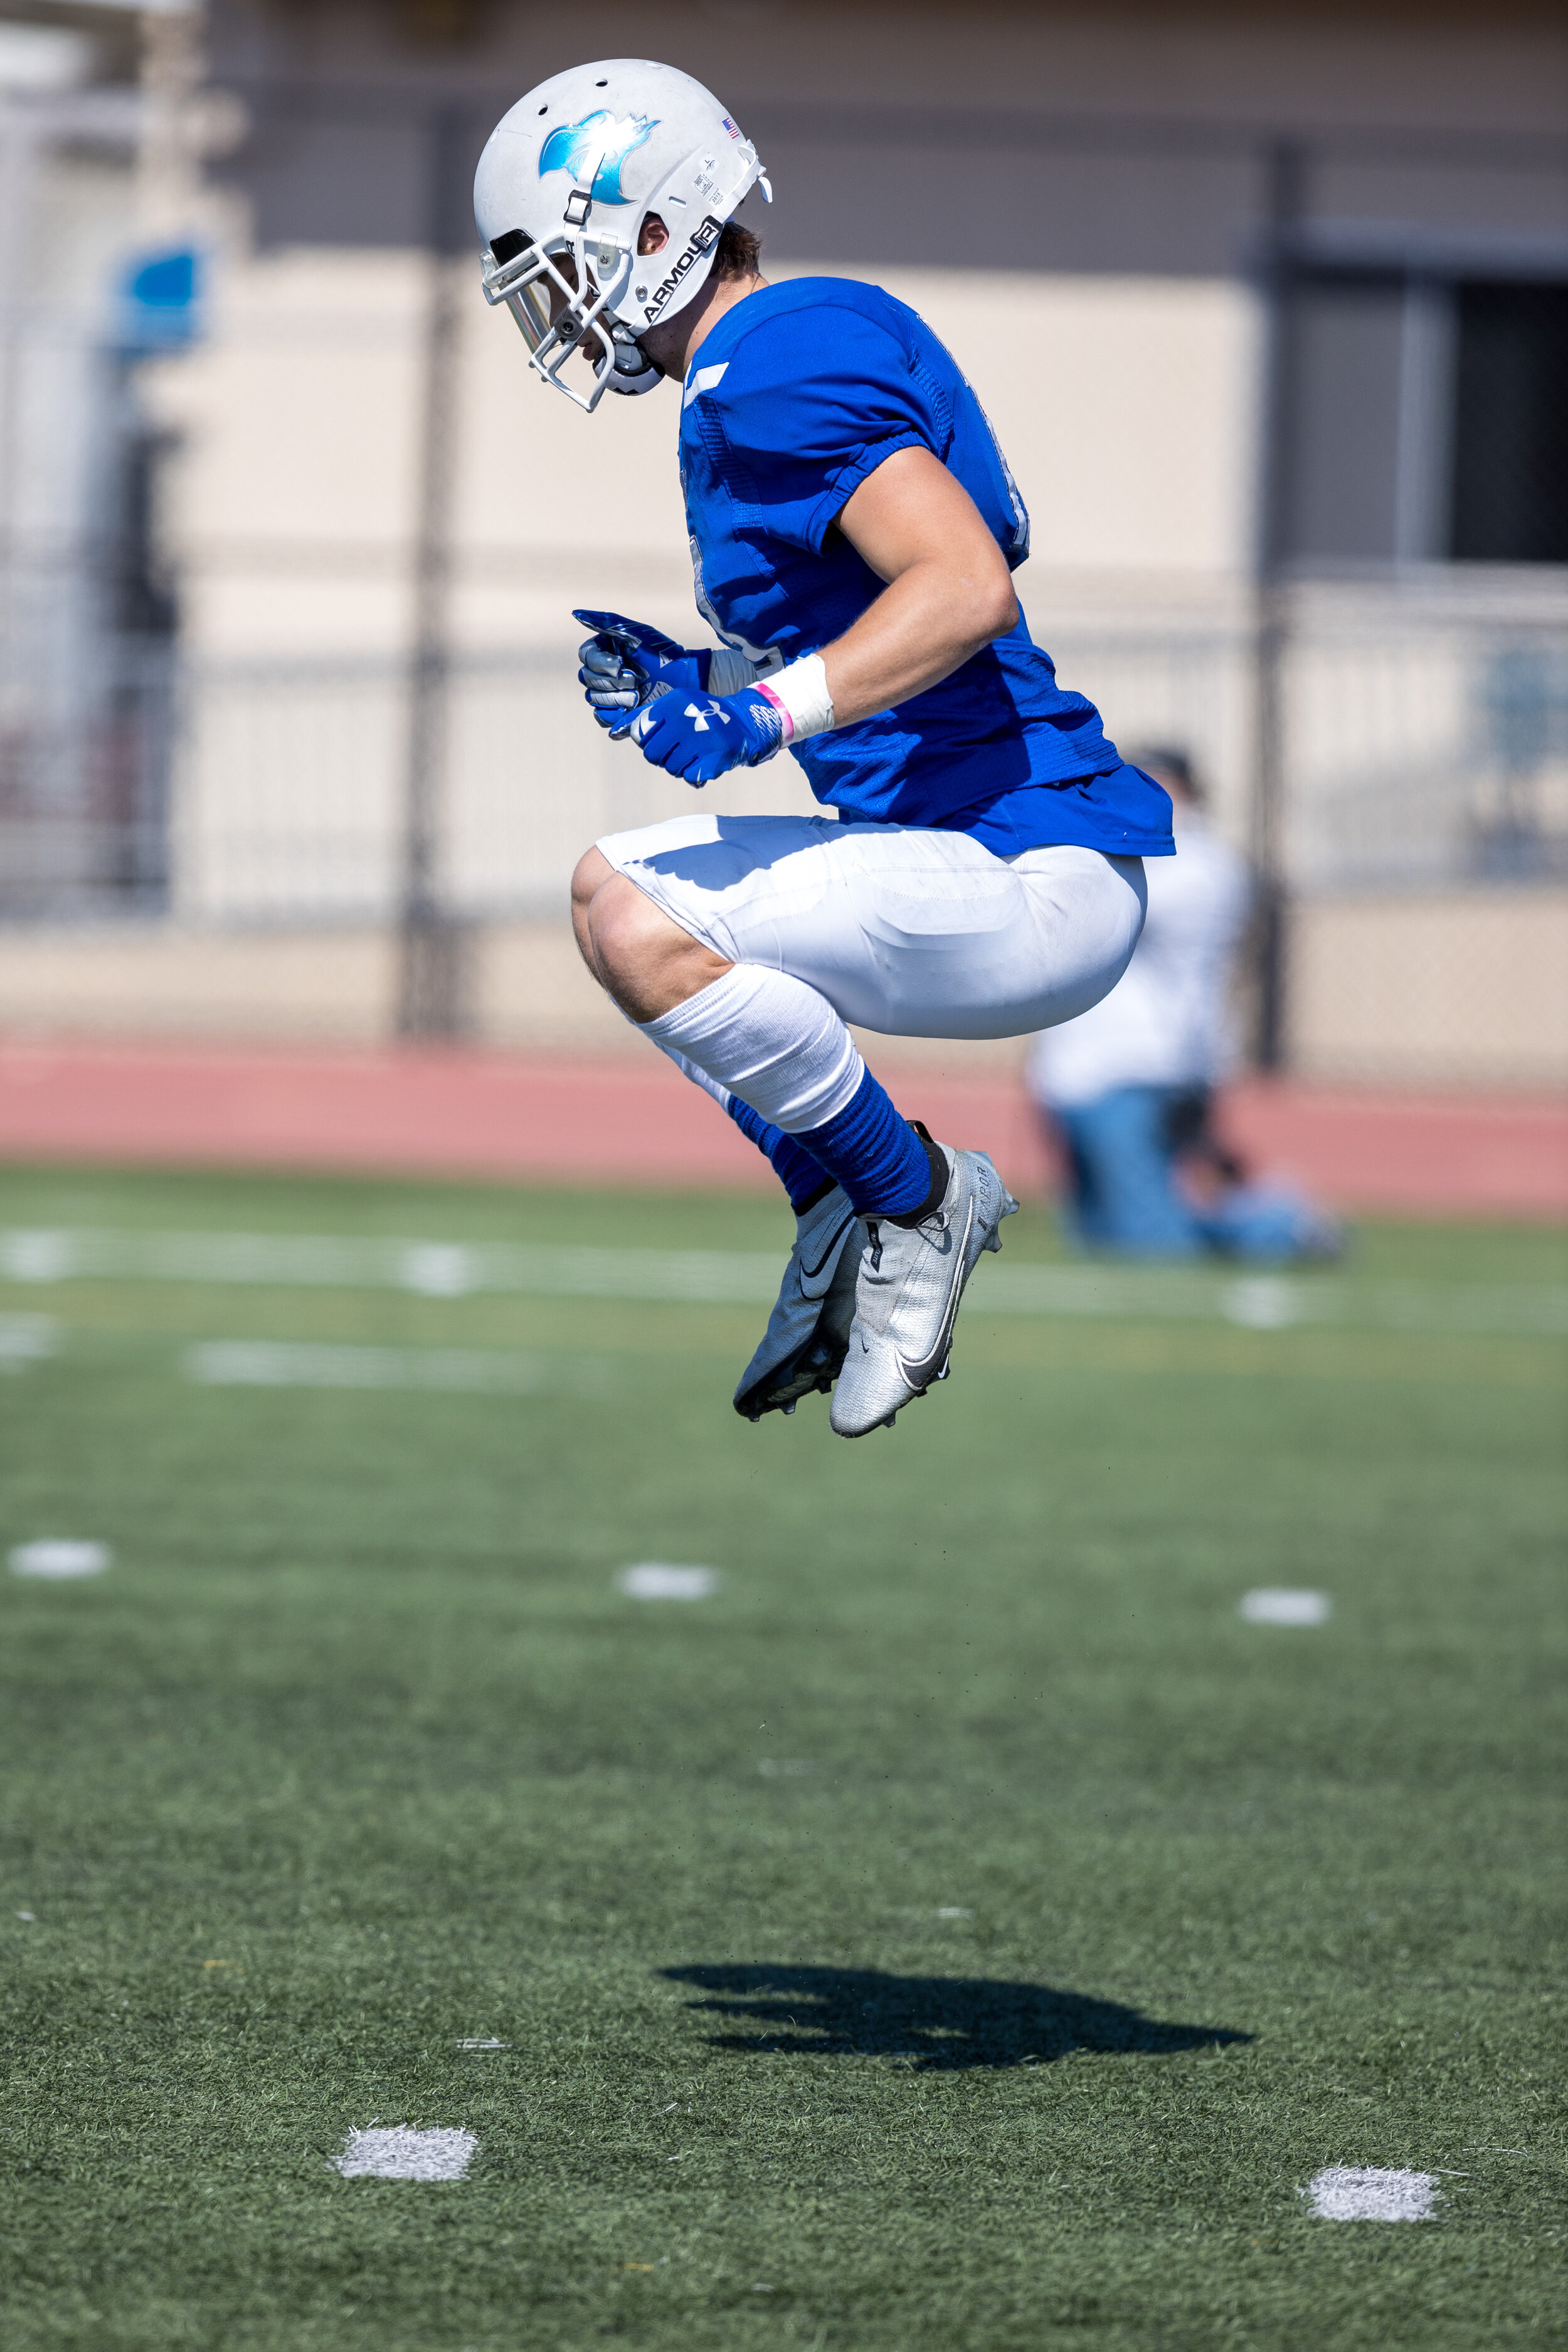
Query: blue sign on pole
{"x": 159, "y": 300}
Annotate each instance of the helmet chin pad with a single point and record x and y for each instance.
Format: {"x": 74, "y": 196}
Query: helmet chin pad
{"x": 633, "y": 372}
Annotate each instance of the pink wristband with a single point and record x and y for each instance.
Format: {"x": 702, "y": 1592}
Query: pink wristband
{"x": 781, "y": 707}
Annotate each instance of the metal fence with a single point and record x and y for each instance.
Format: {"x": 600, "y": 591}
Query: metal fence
{"x": 1424, "y": 753}
{"x": 87, "y": 769}
{"x": 276, "y": 791}
{"x": 1429, "y": 758}
{"x": 1425, "y": 768}
{"x": 1421, "y": 755}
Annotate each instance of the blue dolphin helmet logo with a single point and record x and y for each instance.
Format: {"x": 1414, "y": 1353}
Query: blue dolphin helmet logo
{"x": 609, "y": 138}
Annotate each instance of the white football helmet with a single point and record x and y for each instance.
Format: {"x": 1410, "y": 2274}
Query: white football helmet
{"x": 563, "y": 186}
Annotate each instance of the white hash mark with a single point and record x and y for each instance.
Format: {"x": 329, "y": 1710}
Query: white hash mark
{"x": 1348, "y": 2193}
{"x": 404, "y": 2154}
{"x": 60, "y": 1556}
{"x": 305, "y": 1364}
{"x": 1262, "y": 1303}
{"x": 1280, "y": 1605}
{"x": 656, "y": 1579}
{"x": 26, "y": 1339}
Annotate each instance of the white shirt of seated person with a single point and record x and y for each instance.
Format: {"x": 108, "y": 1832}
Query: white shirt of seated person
{"x": 1168, "y": 1021}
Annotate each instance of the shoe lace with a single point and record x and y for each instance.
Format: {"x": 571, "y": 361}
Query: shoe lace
{"x": 874, "y": 1236}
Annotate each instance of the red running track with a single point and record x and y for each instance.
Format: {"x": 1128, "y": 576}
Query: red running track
{"x": 453, "y": 1113}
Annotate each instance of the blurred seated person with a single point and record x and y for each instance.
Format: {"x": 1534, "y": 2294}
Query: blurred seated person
{"x": 1128, "y": 1087}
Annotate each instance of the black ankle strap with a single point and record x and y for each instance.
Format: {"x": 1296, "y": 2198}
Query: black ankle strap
{"x": 940, "y": 1173}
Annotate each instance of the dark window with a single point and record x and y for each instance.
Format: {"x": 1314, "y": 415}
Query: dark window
{"x": 1425, "y": 419}
{"x": 1343, "y": 351}
{"x": 1511, "y": 440}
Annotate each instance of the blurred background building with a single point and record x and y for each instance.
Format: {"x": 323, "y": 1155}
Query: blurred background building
{"x": 1269, "y": 305}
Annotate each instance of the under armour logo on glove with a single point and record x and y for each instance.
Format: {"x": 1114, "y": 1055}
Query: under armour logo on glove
{"x": 700, "y": 714}
{"x": 704, "y": 740}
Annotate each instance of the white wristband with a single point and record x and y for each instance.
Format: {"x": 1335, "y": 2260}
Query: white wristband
{"x": 800, "y": 689}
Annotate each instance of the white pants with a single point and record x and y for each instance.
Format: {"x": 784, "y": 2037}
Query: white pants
{"x": 911, "y": 932}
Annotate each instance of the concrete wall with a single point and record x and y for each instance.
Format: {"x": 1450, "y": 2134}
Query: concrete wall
{"x": 1125, "y": 405}
{"x": 1113, "y": 139}
{"x": 1466, "y": 990}
{"x": 1072, "y": 195}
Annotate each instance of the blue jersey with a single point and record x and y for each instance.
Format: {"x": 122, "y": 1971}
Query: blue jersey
{"x": 795, "y": 396}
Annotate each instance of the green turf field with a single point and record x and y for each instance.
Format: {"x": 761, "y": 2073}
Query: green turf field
{"x": 962, "y": 1933}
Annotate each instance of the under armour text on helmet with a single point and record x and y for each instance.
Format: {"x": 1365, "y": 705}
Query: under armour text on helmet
{"x": 706, "y": 237}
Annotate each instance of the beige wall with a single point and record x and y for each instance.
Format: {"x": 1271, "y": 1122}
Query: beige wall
{"x": 1124, "y": 404}
{"x": 1463, "y": 991}
{"x": 1121, "y": 380}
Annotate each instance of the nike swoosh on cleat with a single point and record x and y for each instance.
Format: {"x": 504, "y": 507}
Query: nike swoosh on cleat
{"x": 919, "y": 1376}
{"x": 810, "y": 1272}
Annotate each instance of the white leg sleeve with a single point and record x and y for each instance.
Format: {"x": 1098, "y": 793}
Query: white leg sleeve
{"x": 768, "y": 1038}
{"x": 683, "y": 1062}
{"x": 688, "y": 1069}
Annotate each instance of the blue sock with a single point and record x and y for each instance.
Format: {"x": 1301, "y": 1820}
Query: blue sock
{"x": 875, "y": 1155}
{"x": 799, "y": 1173}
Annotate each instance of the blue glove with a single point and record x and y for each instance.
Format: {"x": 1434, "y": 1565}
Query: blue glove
{"x": 624, "y": 663}
{"x": 700, "y": 737}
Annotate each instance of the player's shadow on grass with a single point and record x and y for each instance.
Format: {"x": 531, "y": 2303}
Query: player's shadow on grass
{"x": 939, "y": 2021}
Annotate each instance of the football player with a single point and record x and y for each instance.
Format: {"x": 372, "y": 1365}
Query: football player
{"x": 854, "y": 533}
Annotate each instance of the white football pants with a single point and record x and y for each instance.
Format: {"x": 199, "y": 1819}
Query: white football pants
{"x": 908, "y": 931}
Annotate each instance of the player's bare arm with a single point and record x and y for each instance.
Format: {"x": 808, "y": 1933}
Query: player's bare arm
{"x": 949, "y": 589}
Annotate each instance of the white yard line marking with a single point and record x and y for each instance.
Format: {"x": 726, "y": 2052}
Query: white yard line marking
{"x": 487, "y": 2043}
{"x": 658, "y": 1579}
{"x": 59, "y": 1557}
{"x": 1279, "y": 1605}
{"x": 289, "y": 1364}
{"x": 955, "y": 1911}
{"x": 402, "y": 2154}
{"x": 1346, "y": 2192}
{"x": 443, "y": 1269}
{"x": 433, "y": 1269}
{"x": 26, "y": 1339}
{"x": 1274, "y": 1302}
